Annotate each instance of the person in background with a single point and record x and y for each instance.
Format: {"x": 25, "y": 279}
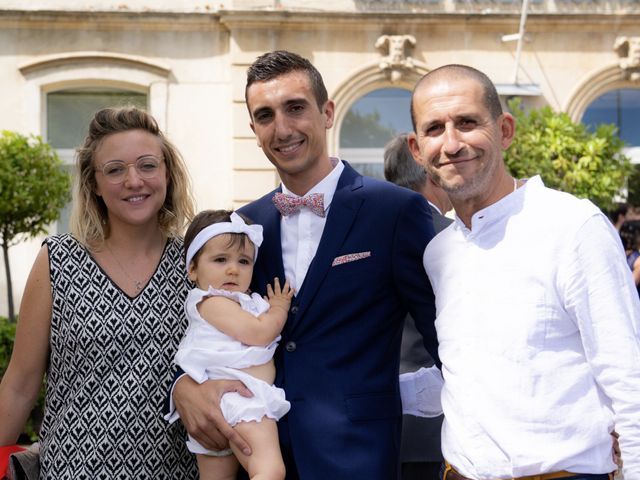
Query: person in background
{"x": 420, "y": 452}
{"x": 619, "y": 215}
{"x": 400, "y": 168}
{"x": 630, "y": 236}
{"x": 537, "y": 315}
{"x": 102, "y": 313}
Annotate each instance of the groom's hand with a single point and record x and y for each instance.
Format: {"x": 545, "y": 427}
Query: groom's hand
{"x": 199, "y": 408}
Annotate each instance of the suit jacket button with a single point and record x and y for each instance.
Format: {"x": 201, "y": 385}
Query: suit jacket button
{"x": 294, "y": 309}
{"x": 290, "y": 346}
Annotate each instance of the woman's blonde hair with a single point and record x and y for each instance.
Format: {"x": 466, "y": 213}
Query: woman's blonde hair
{"x": 89, "y": 217}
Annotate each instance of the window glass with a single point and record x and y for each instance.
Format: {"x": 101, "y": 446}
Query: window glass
{"x": 69, "y": 112}
{"x": 369, "y": 124}
{"x": 68, "y": 115}
{"x": 620, "y": 107}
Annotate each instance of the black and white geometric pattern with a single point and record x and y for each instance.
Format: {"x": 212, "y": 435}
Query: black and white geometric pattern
{"x": 110, "y": 367}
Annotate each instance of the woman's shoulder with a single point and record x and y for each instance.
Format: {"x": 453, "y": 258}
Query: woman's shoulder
{"x": 63, "y": 242}
{"x": 177, "y": 241}
{"x": 60, "y": 239}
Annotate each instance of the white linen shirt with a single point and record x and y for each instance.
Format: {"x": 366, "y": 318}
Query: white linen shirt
{"x": 301, "y": 232}
{"x": 537, "y": 321}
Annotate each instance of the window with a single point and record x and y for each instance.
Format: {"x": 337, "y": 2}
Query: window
{"x": 622, "y": 108}
{"x": 69, "y": 112}
{"x": 369, "y": 124}
{"x": 68, "y": 115}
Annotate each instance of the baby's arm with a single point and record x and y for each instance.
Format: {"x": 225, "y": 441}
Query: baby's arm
{"x": 228, "y": 317}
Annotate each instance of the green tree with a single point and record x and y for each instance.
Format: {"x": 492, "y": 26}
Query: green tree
{"x": 567, "y": 155}
{"x": 364, "y": 130}
{"x": 33, "y": 190}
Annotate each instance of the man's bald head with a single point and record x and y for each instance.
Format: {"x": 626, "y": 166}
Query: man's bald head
{"x": 457, "y": 72}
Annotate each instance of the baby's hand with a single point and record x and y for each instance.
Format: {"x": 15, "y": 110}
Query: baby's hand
{"x": 279, "y": 297}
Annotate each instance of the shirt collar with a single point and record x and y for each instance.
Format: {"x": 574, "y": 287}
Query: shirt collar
{"x": 327, "y": 186}
{"x": 502, "y": 209}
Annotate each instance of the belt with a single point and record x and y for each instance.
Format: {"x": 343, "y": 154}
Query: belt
{"x": 451, "y": 473}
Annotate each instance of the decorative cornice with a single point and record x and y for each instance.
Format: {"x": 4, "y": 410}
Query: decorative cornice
{"x": 135, "y": 61}
{"x": 435, "y": 14}
{"x": 109, "y": 20}
{"x": 249, "y": 19}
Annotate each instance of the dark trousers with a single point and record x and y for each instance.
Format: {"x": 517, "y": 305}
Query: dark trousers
{"x": 420, "y": 471}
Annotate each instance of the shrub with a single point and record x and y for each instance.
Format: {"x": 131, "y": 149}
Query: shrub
{"x": 567, "y": 155}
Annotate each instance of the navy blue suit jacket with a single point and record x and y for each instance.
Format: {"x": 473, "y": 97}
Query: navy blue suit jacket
{"x": 339, "y": 354}
{"x": 420, "y": 436}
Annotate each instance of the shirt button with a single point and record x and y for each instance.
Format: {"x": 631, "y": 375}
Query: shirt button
{"x": 294, "y": 309}
{"x": 290, "y": 346}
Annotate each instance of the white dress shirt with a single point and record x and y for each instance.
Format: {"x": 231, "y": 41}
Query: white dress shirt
{"x": 537, "y": 320}
{"x": 301, "y": 232}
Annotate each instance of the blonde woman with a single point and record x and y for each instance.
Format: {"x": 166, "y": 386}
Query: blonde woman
{"x": 102, "y": 312}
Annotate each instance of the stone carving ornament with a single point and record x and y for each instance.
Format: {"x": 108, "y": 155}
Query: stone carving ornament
{"x": 628, "y": 49}
{"x": 395, "y": 60}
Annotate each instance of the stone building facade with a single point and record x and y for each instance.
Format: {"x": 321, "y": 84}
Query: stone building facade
{"x": 185, "y": 61}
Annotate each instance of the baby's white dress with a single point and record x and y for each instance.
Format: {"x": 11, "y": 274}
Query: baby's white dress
{"x": 205, "y": 353}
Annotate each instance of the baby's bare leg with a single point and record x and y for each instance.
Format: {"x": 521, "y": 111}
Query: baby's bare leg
{"x": 217, "y": 468}
{"x": 265, "y": 463}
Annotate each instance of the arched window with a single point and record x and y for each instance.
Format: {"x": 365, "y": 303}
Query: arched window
{"x": 68, "y": 113}
{"x": 622, "y": 108}
{"x": 369, "y": 124}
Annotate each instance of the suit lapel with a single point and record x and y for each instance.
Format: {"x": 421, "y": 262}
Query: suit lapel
{"x": 342, "y": 213}
{"x": 270, "y": 253}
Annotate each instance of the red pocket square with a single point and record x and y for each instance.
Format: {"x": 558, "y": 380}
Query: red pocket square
{"x": 350, "y": 257}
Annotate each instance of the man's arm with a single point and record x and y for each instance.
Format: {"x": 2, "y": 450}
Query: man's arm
{"x": 414, "y": 230}
{"x": 198, "y": 406}
{"x": 601, "y": 296}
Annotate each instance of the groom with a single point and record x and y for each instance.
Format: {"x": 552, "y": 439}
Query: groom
{"x": 352, "y": 248}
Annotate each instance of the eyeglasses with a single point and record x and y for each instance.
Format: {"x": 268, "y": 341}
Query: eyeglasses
{"x": 116, "y": 171}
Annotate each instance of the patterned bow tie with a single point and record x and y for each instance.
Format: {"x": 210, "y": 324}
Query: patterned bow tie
{"x": 290, "y": 204}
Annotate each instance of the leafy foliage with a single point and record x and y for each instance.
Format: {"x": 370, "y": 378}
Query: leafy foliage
{"x": 7, "y": 337}
{"x": 567, "y": 156}
{"x": 33, "y": 190}
{"x": 33, "y": 186}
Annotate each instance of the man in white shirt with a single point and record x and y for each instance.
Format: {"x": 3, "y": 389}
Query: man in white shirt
{"x": 354, "y": 259}
{"x": 537, "y": 316}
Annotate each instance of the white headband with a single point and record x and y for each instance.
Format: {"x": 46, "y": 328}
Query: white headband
{"x": 237, "y": 225}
